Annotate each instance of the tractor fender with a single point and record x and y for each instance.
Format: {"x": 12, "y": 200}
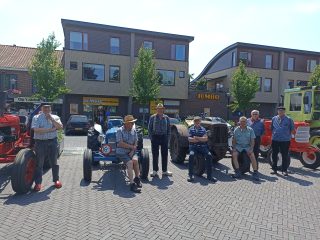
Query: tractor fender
{"x": 183, "y": 133}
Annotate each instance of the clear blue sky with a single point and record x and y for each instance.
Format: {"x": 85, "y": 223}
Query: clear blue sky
{"x": 214, "y": 24}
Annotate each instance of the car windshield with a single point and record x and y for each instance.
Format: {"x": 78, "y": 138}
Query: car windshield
{"x": 317, "y": 100}
{"x": 78, "y": 119}
{"x": 115, "y": 123}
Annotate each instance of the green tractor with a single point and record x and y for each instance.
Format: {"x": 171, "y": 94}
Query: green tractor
{"x": 303, "y": 104}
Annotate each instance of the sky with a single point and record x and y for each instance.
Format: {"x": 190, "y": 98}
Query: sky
{"x": 214, "y": 24}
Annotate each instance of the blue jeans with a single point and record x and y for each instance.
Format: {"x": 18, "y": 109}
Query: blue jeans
{"x": 203, "y": 150}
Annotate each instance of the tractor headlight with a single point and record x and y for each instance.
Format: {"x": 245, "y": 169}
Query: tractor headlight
{"x": 101, "y": 138}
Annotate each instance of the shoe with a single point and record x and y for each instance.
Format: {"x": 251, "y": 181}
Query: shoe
{"x": 274, "y": 172}
{"x": 285, "y": 174}
{"x": 236, "y": 174}
{"x": 167, "y": 173}
{"x": 190, "y": 178}
{"x": 57, "y": 184}
{"x": 134, "y": 188}
{"x": 212, "y": 179}
{"x": 154, "y": 174}
{"x": 255, "y": 176}
{"x": 37, "y": 188}
{"x": 137, "y": 182}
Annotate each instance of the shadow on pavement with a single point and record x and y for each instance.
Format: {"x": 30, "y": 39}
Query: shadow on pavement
{"x": 305, "y": 172}
{"x": 29, "y": 198}
{"x": 161, "y": 183}
{"x": 5, "y": 173}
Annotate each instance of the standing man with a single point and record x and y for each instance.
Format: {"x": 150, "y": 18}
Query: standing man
{"x": 282, "y": 128}
{"x": 257, "y": 125}
{"x": 243, "y": 140}
{"x": 45, "y": 126}
{"x": 127, "y": 140}
{"x": 159, "y": 131}
{"x": 198, "y": 145}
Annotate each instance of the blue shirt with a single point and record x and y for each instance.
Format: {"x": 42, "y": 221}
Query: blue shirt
{"x": 257, "y": 126}
{"x": 243, "y": 138}
{"x": 281, "y": 128}
{"x": 129, "y": 137}
{"x": 198, "y": 132}
{"x": 40, "y": 121}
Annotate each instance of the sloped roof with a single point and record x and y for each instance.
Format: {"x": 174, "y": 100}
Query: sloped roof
{"x": 18, "y": 58}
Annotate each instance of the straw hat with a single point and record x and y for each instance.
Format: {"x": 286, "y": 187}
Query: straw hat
{"x": 129, "y": 119}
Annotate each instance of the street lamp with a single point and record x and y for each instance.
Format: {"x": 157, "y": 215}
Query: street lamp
{"x": 228, "y": 95}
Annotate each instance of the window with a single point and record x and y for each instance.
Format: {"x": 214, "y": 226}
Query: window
{"x": 78, "y": 41}
{"x": 302, "y": 83}
{"x": 114, "y": 73}
{"x": 245, "y": 57}
{"x": 8, "y": 81}
{"x": 290, "y": 64}
{"x": 311, "y": 65}
{"x": 181, "y": 74}
{"x": 147, "y": 45}
{"x": 73, "y": 66}
{"x": 233, "y": 63}
{"x": 295, "y": 101}
{"x": 290, "y": 84}
{"x": 259, "y": 83}
{"x": 267, "y": 86}
{"x": 166, "y": 77}
{"x": 115, "y": 45}
{"x": 178, "y": 52}
{"x": 268, "y": 63}
{"x": 93, "y": 72}
{"x": 307, "y": 107}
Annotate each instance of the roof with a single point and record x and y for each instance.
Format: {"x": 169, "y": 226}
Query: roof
{"x": 18, "y": 58}
{"x": 66, "y": 22}
{"x": 250, "y": 45}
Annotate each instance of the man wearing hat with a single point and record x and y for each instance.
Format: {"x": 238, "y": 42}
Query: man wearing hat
{"x": 127, "y": 140}
{"x": 45, "y": 126}
{"x": 159, "y": 131}
{"x": 198, "y": 145}
{"x": 282, "y": 128}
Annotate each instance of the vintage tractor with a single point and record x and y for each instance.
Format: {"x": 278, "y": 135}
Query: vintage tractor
{"x": 299, "y": 145}
{"x": 101, "y": 147}
{"x": 217, "y": 142}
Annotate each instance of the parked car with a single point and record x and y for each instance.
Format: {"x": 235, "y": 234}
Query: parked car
{"x": 77, "y": 124}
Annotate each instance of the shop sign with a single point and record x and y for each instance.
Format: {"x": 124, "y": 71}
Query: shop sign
{"x": 101, "y": 101}
{"x": 34, "y": 100}
{"x": 208, "y": 96}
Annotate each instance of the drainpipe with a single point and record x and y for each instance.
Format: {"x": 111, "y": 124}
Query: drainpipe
{"x": 280, "y": 80}
{"x": 130, "y": 70}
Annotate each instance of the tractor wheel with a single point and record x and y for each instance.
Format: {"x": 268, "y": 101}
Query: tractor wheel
{"x": 279, "y": 163}
{"x": 218, "y": 154}
{"x": 264, "y": 150}
{"x": 244, "y": 163}
{"x": 144, "y": 163}
{"x": 310, "y": 160}
{"x": 199, "y": 165}
{"x": 24, "y": 167}
{"x": 177, "y": 153}
{"x": 87, "y": 165}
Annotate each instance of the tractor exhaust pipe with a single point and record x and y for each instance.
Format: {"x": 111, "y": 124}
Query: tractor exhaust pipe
{"x": 3, "y": 100}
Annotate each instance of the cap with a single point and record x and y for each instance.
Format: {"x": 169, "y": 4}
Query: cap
{"x": 281, "y": 108}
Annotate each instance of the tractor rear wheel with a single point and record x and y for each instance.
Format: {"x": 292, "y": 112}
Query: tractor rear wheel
{"x": 279, "y": 162}
{"x": 177, "y": 153}
{"x": 144, "y": 163}
{"x": 310, "y": 160}
{"x": 87, "y": 165}
{"x": 244, "y": 163}
{"x": 199, "y": 165}
{"x": 23, "y": 171}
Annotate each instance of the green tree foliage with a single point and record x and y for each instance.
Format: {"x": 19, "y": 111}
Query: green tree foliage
{"x": 201, "y": 84}
{"x": 244, "y": 86}
{"x": 315, "y": 77}
{"x": 47, "y": 72}
{"x": 146, "y": 81}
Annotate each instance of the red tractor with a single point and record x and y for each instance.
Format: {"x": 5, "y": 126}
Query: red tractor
{"x": 299, "y": 145}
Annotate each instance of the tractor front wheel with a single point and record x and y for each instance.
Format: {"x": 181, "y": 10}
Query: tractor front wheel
{"x": 177, "y": 152}
{"x": 24, "y": 167}
{"x": 144, "y": 163}
{"x": 87, "y": 165}
{"x": 310, "y": 159}
{"x": 199, "y": 165}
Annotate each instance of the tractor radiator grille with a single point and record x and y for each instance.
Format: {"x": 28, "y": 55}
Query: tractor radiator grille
{"x": 302, "y": 134}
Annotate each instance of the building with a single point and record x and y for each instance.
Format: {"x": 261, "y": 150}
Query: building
{"x": 99, "y": 60}
{"x": 14, "y": 76}
{"x": 278, "y": 69}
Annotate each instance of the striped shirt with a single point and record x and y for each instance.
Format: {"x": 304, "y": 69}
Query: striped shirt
{"x": 40, "y": 121}
{"x": 159, "y": 125}
{"x": 281, "y": 128}
{"x": 257, "y": 126}
{"x": 129, "y": 137}
{"x": 198, "y": 132}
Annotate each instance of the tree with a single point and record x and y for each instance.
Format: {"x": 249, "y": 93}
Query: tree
{"x": 244, "y": 86}
{"x": 202, "y": 84}
{"x": 47, "y": 72}
{"x": 146, "y": 86}
{"x": 314, "y": 79}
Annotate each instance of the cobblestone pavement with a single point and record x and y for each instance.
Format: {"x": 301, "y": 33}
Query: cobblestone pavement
{"x": 168, "y": 208}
